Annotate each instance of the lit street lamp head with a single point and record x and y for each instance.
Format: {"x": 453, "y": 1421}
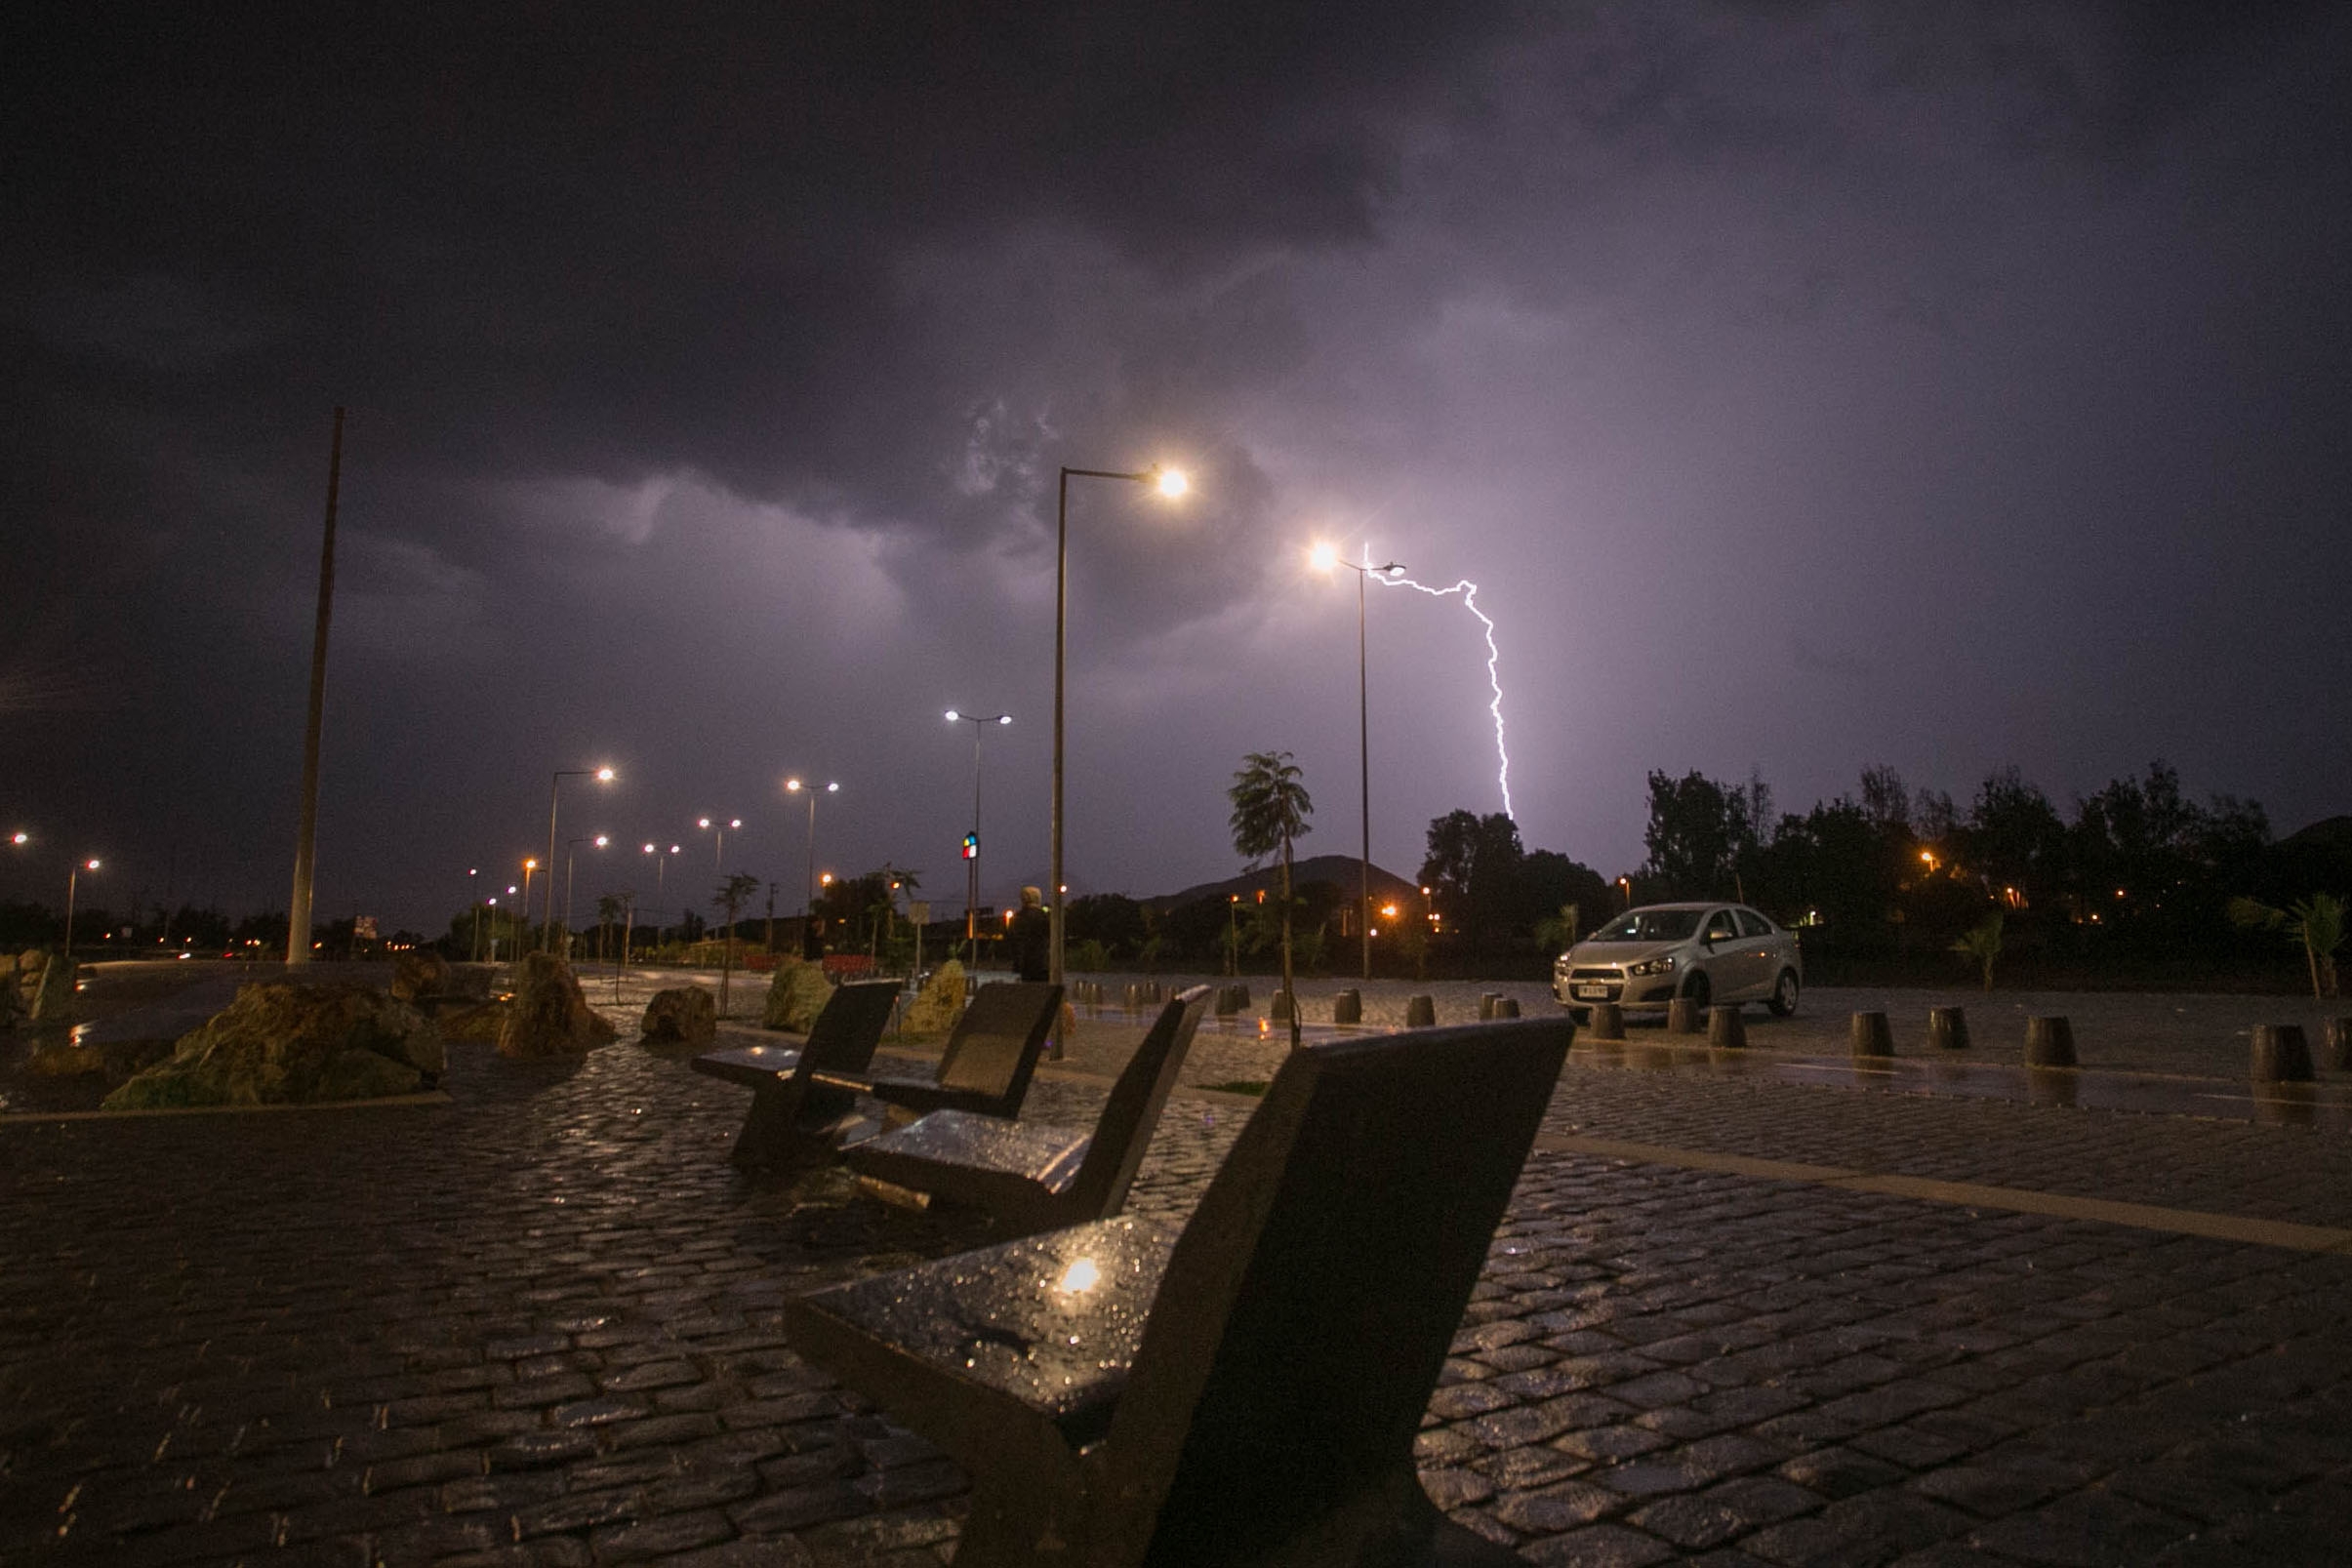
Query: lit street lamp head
{"x": 1170, "y": 482}
{"x": 604, "y": 775}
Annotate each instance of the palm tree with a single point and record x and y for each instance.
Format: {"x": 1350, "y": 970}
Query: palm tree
{"x": 1982, "y": 944}
{"x": 2317, "y": 922}
{"x": 1271, "y": 808}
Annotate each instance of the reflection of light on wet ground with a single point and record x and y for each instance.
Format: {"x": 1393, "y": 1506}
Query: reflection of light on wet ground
{"x": 2300, "y": 1105}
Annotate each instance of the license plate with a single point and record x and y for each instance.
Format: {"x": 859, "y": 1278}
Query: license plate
{"x": 1598, "y": 993}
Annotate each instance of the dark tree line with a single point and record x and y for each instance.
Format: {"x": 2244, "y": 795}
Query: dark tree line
{"x": 2137, "y": 872}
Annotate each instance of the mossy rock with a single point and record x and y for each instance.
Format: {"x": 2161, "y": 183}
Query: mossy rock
{"x": 796, "y": 994}
{"x": 937, "y": 1006}
{"x": 683, "y": 1016}
{"x": 478, "y": 1025}
{"x": 279, "y": 1045}
{"x": 550, "y": 1015}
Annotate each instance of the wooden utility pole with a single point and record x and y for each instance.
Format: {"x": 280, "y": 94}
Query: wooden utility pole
{"x": 298, "y": 913}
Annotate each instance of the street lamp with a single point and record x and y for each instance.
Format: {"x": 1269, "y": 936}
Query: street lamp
{"x": 523, "y": 908}
{"x": 571, "y": 852}
{"x": 1171, "y": 483}
{"x": 601, "y": 776}
{"x": 808, "y": 914}
{"x": 971, "y": 845}
{"x": 73, "y": 875}
{"x": 1325, "y": 557}
{"x": 718, "y": 859}
{"x": 661, "y": 863}
{"x": 474, "y": 897}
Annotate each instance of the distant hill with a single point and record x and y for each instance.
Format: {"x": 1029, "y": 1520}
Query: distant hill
{"x": 1341, "y": 870}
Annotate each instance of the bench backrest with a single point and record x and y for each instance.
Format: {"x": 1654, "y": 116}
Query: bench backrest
{"x": 995, "y": 1044}
{"x": 1308, "y": 1306}
{"x": 848, "y": 1028}
{"x": 1123, "y": 1131}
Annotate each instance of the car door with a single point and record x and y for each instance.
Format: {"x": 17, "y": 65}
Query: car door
{"x": 1719, "y": 941}
{"x": 1760, "y": 947}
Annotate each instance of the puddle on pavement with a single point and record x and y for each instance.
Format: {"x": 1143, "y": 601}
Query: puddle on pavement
{"x": 2283, "y": 1104}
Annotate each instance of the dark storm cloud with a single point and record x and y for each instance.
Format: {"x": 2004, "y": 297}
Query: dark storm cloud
{"x": 748, "y": 341}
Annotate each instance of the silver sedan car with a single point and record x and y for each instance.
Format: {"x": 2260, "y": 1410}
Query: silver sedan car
{"x": 1713, "y": 954}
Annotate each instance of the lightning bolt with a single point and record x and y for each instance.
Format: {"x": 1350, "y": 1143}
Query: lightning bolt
{"x": 1469, "y": 591}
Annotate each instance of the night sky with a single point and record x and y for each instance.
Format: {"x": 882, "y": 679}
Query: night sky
{"x": 1806, "y": 386}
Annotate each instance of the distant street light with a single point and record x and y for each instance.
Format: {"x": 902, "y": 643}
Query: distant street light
{"x": 474, "y": 897}
{"x": 523, "y": 909}
{"x": 556, "y": 786}
{"x": 971, "y": 845}
{"x": 794, "y": 787}
{"x": 571, "y": 852}
{"x": 1170, "y": 483}
{"x": 661, "y": 863}
{"x": 1325, "y": 557}
{"x": 718, "y": 859}
{"x": 73, "y": 876}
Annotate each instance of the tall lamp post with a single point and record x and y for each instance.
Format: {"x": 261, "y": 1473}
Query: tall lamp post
{"x": 661, "y": 863}
{"x": 571, "y": 852}
{"x": 73, "y": 875}
{"x": 718, "y": 859}
{"x": 473, "y": 895}
{"x": 971, "y": 848}
{"x": 554, "y": 787}
{"x": 523, "y": 909}
{"x": 797, "y": 786}
{"x": 1325, "y": 558}
{"x": 1169, "y": 482}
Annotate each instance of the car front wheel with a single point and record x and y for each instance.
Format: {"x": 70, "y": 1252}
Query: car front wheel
{"x": 1784, "y": 994}
{"x": 1697, "y": 989}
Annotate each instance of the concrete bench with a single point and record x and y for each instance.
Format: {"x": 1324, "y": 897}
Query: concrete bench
{"x": 987, "y": 1065}
{"x": 1037, "y": 1176}
{"x": 1246, "y": 1393}
{"x": 793, "y": 1115}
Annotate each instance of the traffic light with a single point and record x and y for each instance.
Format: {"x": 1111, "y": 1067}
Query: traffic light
{"x": 971, "y": 846}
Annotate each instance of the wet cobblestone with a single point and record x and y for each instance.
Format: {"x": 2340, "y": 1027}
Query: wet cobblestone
{"x": 539, "y": 1324}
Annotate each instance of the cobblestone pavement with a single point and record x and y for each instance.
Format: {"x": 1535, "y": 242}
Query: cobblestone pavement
{"x": 538, "y": 1325}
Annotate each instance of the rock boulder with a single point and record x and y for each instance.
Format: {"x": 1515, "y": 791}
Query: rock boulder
{"x": 279, "y": 1045}
{"x": 682, "y": 1016}
{"x": 795, "y": 997}
{"x": 420, "y": 972}
{"x": 937, "y": 1006}
{"x": 549, "y": 1016}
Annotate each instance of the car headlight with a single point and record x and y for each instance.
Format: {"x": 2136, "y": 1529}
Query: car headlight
{"x": 1652, "y": 966}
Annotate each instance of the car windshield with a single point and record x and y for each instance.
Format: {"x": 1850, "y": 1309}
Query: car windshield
{"x": 1650, "y": 925}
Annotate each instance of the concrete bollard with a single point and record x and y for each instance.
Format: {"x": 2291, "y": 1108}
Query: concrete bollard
{"x": 1506, "y": 1007}
{"x": 1682, "y": 1017}
{"x": 2280, "y": 1053}
{"x": 1229, "y": 1000}
{"x": 2048, "y": 1042}
{"x": 1724, "y": 1030}
{"x": 1948, "y": 1029}
{"x": 1283, "y": 1002}
{"x": 1420, "y": 1012}
{"x": 2339, "y": 1044}
{"x": 1348, "y": 1007}
{"x": 1869, "y": 1035}
{"x": 1608, "y": 1022}
{"x": 1487, "y": 1001}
